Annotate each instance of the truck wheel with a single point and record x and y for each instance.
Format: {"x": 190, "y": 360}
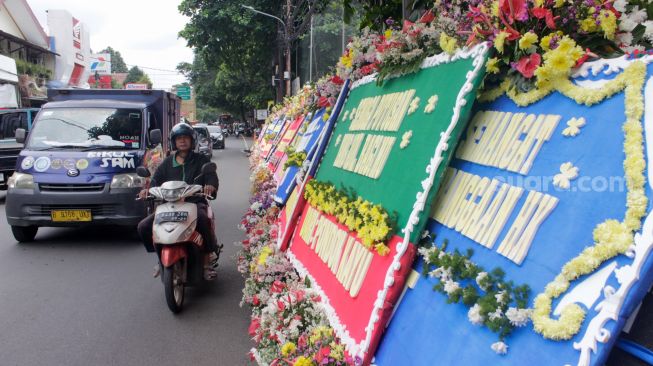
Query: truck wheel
{"x": 174, "y": 286}
{"x": 24, "y": 233}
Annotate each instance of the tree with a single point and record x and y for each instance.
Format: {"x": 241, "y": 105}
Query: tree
{"x": 117, "y": 62}
{"x": 134, "y": 75}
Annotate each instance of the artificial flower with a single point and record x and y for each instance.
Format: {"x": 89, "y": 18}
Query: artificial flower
{"x": 527, "y": 41}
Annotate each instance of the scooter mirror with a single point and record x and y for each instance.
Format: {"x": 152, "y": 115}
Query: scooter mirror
{"x": 155, "y": 137}
{"x": 209, "y": 168}
{"x": 143, "y": 172}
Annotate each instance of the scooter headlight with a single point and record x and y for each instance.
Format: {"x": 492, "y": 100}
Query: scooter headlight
{"x": 172, "y": 195}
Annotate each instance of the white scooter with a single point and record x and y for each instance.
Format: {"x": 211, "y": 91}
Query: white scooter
{"x": 177, "y": 242}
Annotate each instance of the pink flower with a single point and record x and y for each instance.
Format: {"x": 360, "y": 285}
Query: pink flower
{"x": 514, "y": 9}
{"x": 254, "y": 326}
{"x": 540, "y": 13}
{"x": 277, "y": 287}
{"x": 527, "y": 65}
{"x": 255, "y": 301}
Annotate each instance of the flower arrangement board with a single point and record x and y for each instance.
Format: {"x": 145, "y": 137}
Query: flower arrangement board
{"x": 565, "y": 213}
{"x": 400, "y": 133}
{"x": 305, "y": 144}
{"x": 275, "y": 131}
{"x": 315, "y": 147}
{"x": 279, "y": 155}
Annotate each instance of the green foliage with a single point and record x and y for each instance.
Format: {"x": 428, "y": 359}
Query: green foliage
{"x": 134, "y": 75}
{"x": 35, "y": 70}
{"x": 117, "y": 62}
{"x": 473, "y": 286}
{"x": 295, "y": 158}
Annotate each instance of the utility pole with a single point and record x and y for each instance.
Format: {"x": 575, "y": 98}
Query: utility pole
{"x": 287, "y": 41}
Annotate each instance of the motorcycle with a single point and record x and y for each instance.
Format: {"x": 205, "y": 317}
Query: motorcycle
{"x": 177, "y": 242}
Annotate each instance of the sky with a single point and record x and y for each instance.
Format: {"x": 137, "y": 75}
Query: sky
{"x": 143, "y": 31}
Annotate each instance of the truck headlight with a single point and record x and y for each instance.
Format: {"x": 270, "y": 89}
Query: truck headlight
{"x": 129, "y": 180}
{"x": 21, "y": 181}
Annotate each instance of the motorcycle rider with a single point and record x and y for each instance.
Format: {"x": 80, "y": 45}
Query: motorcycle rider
{"x": 185, "y": 165}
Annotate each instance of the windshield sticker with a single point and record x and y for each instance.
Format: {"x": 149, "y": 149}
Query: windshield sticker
{"x": 82, "y": 164}
{"x": 42, "y": 164}
{"x": 27, "y": 163}
{"x": 110, "y": 154}
{"x": 135, "y": 115}
{"x": 56, "y": 164}
{"x": 69, "y": 164}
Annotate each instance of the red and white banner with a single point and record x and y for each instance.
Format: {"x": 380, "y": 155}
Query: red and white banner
{"x": 358, "y": 287}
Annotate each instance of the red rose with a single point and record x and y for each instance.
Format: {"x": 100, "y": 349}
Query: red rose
{"x": 254, "y": 326}
{"x": 256, "y": 301}
{"x": 277, "y": 287}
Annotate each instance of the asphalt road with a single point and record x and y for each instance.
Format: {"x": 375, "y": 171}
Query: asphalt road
{"x": 87, "y": 296}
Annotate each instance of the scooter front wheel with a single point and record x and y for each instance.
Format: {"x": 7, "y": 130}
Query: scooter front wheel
{"x": 174, "y": 286}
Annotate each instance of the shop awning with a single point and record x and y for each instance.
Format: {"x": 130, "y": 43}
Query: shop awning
{"x": 24, "y": 43}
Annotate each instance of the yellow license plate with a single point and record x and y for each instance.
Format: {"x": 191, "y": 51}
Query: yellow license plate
{"x": 70, "y": 215}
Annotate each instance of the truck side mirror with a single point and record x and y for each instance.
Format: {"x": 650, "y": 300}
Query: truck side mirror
{"x": 155, "y": 137}
{"x": 142, "y": 172}
{"x": 20, "y": 135}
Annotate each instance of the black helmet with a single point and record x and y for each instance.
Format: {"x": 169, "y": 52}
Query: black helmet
{"x": 182, "y": 129}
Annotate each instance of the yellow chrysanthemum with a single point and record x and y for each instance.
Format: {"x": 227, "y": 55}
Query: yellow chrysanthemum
{"x": 382, "y": 249}
{"x": 608, "y": 23}
{"x": 500, "y": 40}
{"x": 495, "y": 8}
{"x": 588, "y": 24}
{"x": 492, "y": 65}
{"x": 559, "y": 3}
{"x": 303, "y": 361}
{"x": 288, "y": 349}
{"x": 545, "y": 41}
{"x": 448, "y": 44}
{"x": 538, "y": 3}
{"x": 527, "y": 40}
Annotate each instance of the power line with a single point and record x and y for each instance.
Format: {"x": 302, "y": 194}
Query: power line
{"x": 154, "y": 68}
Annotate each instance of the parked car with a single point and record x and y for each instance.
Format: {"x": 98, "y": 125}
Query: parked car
{"x": 203, "y": 141}
{"x": 10, "y": 121}
{"x": 217, "y": 136}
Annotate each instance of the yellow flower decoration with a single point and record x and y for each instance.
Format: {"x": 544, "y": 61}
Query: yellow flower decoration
{"x": 448, "y": 44}
{"x": 265, "y": 253}
{"x": 288, "y": 349}
{"x": 303, "y": 361}
{"x": 388, "y": 33}
{"x": 527, "y": 40}
{"x": 500, "y": 40}
{"x": 608, "y": 23}
{"x": 492, "y": 65}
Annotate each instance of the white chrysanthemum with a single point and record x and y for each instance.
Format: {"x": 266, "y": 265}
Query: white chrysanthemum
{"x": 474, "y": 315}
{"x": 638, "y": 15}
{"x": 451, "y": 286}
{"x": 518, "y": 317}
{"x": 437, "y": 273}
{"x": 480, "y": 278}
{"x": 620, "y": 5}
{"x": 500, "y": 348}
{"x": 496, "y": 314}
{"x": 501, "y": 297}
{"x": 627, "y": 25}
{"x": 648, "y": 33}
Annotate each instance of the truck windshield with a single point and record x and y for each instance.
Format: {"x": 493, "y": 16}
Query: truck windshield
{"x": 86, "y": 128}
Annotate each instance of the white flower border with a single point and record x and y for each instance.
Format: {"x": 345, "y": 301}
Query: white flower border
{"x": 610, "y": 307}
{"x": 478, "y": 52}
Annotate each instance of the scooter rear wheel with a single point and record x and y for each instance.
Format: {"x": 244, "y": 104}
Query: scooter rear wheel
{"x": 174, "y": 286}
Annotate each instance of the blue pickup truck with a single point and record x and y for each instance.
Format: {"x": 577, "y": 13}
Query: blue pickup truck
{"x": 78, "y": 166}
